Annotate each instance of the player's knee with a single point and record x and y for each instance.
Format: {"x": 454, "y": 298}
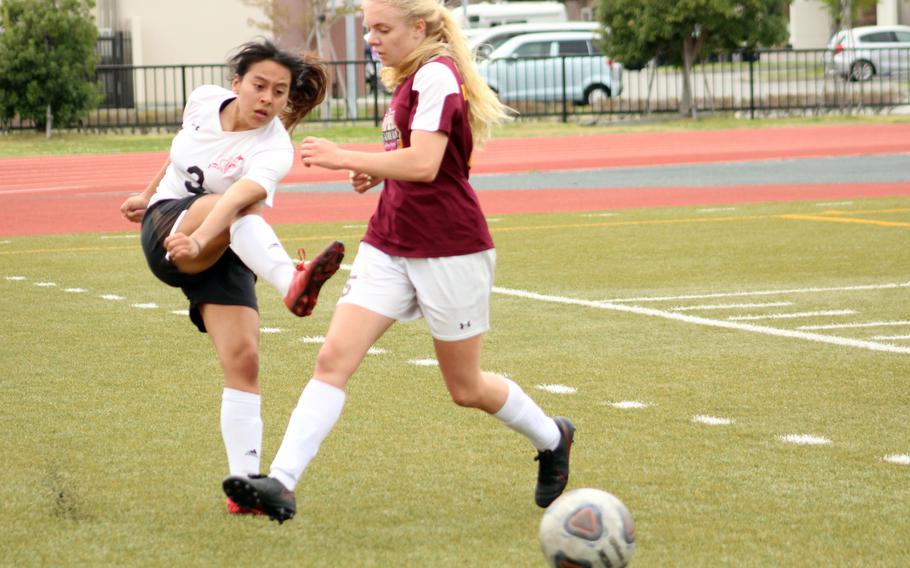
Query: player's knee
{"x": 331, "y": 361}
{"x": 245, "y": 361}
{"x": 466, "y": 397}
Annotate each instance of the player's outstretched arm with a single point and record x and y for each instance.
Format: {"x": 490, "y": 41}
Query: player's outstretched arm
{"x": 418, "y": 162}
{"x": 133, "y": 209}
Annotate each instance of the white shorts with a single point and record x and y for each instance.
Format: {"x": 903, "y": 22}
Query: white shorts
{"x": 452, "y": 292}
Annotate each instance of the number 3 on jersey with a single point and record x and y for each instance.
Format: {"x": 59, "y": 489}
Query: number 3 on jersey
{"x": 200, "y": 179}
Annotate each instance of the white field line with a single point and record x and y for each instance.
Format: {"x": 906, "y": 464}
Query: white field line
{"x": 424, "y": 362}
{"x": 890, "y": 337}
{"x": 712, "y": 420}
{"x": 855, "y": 325}
{"x": 558, "y": 389}
{"x": 762, "y": 293}
{"x": 716, "y": 209}
{"x": 149, "y": 306}
{"x": 270, "y": 330}
{"x": 794, "y": 334}
{"x": 805, "y": 439}
{"x": 899, "y": 459}
{"x": 43, "y": 189}
{"x": 792, "y": 315}
{"x": 729, "y": 306}
{"x": 833, "y": 203}
{"x": 629, "y": 404}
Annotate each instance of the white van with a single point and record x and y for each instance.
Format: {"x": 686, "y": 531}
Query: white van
{"x": 487, "y": 15}
{"x": 484, "y": 41}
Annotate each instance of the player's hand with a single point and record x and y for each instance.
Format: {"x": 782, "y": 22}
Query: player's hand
{"x": 133, "y": 209}
{"x": 182, "y": 247}
{"x": 320, "y": 152}
{"x": 362, "y": 182}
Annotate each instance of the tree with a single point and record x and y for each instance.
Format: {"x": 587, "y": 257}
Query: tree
{"x": 677, "y": 31}
{"x": 47, "y": 61}
{"x": 843, "y": 12}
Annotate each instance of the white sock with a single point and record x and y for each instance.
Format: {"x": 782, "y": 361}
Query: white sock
{"x": 241, "y": 429}
{"x": 257, "y": 245}
{"x": 522, "y": 414}
{"x": 317, "y": 412}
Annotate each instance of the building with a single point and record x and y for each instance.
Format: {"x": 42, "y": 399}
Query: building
{"x": 168, "y": 32}
{"x": 811, "y": 25}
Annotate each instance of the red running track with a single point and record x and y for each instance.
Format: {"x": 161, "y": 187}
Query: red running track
{"x": 82, "y": 193}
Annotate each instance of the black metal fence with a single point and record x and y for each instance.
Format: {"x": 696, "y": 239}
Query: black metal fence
{"x": 756, "y": 84}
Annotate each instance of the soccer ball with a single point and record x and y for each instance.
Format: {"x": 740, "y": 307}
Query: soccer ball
{"x": 586, "y": 528}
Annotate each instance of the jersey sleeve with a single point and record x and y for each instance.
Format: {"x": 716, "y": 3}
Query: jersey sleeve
{"x": 268, "y": 166}
{"x": 435, "y": 84}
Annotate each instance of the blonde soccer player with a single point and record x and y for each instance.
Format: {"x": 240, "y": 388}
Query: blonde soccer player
{"x": 427, "y": 251}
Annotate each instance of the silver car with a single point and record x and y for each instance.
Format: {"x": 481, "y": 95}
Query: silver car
{"x": 552, "y": 66}
{"x": 860, "y": 53}
{"x": 484, "y": 40}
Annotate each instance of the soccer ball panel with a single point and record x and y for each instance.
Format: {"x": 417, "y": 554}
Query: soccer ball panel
{"x": 587, "y": 528}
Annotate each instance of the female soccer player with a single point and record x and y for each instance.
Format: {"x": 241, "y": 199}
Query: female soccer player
{"x": 202, "y": 232}
{"x": 427, "y": 251}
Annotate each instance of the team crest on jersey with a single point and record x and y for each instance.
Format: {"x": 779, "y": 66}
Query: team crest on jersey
{"x": 224, "y": 165}
{"x": 391, "y": 136}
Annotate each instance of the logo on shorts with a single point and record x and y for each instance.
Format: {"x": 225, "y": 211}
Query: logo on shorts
{"x": 464, "y": 325}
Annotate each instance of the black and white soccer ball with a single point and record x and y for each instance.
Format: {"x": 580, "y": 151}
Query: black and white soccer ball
{"x": 587, "y": 528}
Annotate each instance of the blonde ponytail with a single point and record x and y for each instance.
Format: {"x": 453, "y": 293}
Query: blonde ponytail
{"x": 445, "y": 38}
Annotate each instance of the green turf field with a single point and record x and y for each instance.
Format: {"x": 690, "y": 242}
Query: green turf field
{"x": 112, "y": 452}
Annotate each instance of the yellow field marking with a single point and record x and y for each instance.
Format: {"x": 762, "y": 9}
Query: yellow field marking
{"x": 795, "y": 216}
{"x": 844, "y": 220}
{"x": 863, "y": 211}
{"x": 322, "y": 238}
{"x": 139, "y": 247}
{"x": 633, "y": 223}
{"x": 61, "y": 250}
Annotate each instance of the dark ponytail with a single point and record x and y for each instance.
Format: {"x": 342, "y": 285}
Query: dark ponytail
{"x": 308, "y": 78}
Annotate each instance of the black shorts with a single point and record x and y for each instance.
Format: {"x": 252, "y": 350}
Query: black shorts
{"x": 228, "y": 282}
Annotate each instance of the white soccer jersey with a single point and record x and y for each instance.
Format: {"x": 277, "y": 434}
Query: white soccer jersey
{"x": 207, "y": 159}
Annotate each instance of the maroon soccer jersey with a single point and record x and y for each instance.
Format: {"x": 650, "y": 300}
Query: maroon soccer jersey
{"x": 442, "y": 217}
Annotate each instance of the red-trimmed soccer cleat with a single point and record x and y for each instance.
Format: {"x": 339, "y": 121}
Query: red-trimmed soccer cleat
{"x": 263, "y": 493}
{"x": 309, "y": 278}
{"x": 234, "y": 509}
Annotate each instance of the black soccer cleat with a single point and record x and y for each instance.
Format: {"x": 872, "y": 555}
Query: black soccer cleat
{"x": 553, "y": 465}
{"x": 262, "y": 493}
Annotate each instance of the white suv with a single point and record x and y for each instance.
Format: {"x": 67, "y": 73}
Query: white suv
{"x": 484, "y": 40}
{"x": 859, "y": 53}
{"x": 549, "y": 66}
